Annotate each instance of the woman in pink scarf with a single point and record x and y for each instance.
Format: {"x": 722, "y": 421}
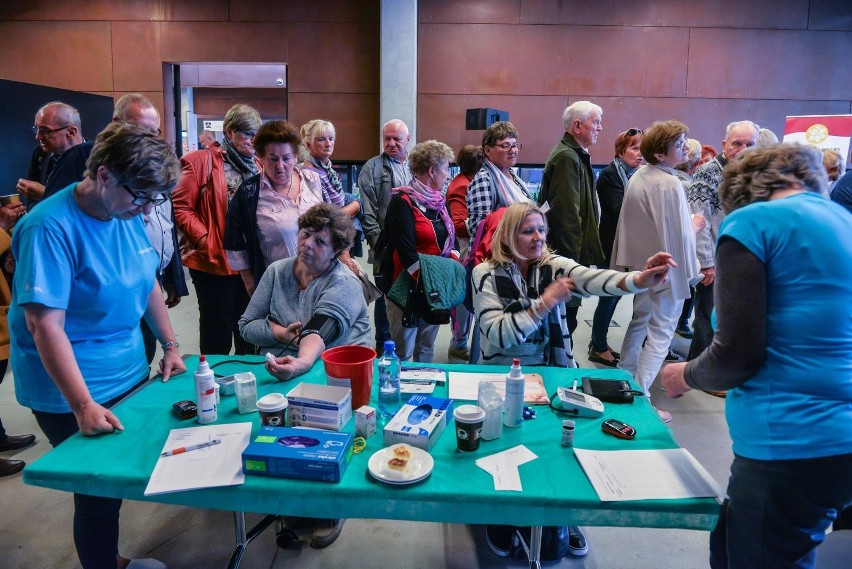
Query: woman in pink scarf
{"x": 418, "y": 221}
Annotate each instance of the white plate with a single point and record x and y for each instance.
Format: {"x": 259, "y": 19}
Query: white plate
{"x": 419, "y": 466}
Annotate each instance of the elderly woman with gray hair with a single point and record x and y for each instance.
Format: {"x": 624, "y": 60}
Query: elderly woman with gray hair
{"x": 211, "y": 176}
{"x": 417, "y": 221}
{"x": 781, "y": 349}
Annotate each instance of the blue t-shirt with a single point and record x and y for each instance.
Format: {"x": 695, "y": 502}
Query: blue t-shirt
{"x": 100, "y": 273}
{"x": 799, "y": 405}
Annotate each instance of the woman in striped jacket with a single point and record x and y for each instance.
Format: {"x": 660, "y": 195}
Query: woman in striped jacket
{"x": 520, "y": 294}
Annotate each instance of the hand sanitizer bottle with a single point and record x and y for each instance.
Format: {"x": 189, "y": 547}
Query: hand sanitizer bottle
{"x": 514, "y": 403}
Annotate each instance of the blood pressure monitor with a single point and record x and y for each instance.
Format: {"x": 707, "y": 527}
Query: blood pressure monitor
{"x": 579, "y": 404}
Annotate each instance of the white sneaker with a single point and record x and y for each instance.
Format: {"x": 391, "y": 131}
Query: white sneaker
{"x": 146, "y": 564}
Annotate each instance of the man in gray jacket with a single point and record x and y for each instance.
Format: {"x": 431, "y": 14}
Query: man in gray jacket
{"x": 378, "y": 176}
{"x": 704, "y": 201}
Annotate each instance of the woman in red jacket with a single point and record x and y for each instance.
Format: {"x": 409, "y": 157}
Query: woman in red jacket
{"x": 417, "y": 221}
{"x": 210, "y": 178}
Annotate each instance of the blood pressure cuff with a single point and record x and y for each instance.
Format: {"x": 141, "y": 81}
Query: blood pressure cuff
{"x": 610, "y": 390}
{"x": 326, "y": 326}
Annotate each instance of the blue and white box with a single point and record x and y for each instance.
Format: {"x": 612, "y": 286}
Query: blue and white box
{"x": 308, "y": 454}
{"x": 419, "y": 422}
{"x": 319, "y": 406}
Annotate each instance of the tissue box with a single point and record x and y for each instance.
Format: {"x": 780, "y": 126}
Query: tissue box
{"x": 308, "y": 454}
{"x": 320, "y": 406}
{"x": 419, "y": 422}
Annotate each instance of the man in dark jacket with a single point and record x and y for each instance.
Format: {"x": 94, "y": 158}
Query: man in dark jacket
{"x": 567, "y": 188}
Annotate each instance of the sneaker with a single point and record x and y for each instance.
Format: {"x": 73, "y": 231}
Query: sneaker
{"x": 499, "y": 539}
{"x": 673, "y": 357}
{"x": 577, "y": 545}
{"x": 684, "y": 331}
{"x": 664, "y": 416}
{"x": 146, "y": 564}
{"x": 460, "y": 353}
{"x": 326, "y": 532}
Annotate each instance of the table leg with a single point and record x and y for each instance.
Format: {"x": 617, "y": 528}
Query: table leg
{"x": 535, "y": 548}
{"x": 243, "y": 539}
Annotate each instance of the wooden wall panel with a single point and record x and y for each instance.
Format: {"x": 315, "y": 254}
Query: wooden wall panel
{"x": 99, "y": 10}
{"x": 333, "y": 58}
{"x": 776, "y": 14}
{"x": 223, "y": 41}
{"x": 469, "y": 11}
{"x": 67, "y": 55}
{"x": 539, "y": 119}
{"x": 768, "y": 64}
{"x": 301, "y": 11}
{"x": 355, "y": 118}
{"x": 132, "y": 72}
{"x": 552, "y": 60}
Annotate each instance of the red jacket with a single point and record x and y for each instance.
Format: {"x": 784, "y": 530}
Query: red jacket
{"x": 457, "y": 204}
{"x": 200, "y": 202}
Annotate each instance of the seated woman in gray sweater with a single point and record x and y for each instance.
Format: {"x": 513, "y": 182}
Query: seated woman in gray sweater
{"x": 519, "y": 295}
{"x": 309, "y": 302}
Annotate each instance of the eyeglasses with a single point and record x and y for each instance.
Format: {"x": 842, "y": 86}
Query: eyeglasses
{"x": 142, "y": 199}
{"x": 634, "y": 131}
{"x": 43, "y": 131}
{"x": 509, "y": 146}
{"x": 248, "y": 133}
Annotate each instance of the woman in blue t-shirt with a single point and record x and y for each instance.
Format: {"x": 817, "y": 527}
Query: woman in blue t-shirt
{"x": 83, "y": 280}
{"x": 781, "y": 348}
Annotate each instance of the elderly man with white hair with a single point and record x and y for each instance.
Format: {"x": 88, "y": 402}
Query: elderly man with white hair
{"x": 568, "y": 187}
{"x": 704, "y": 201}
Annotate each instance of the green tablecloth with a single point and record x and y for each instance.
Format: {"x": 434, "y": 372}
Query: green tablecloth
{"x": 555, "y": 489}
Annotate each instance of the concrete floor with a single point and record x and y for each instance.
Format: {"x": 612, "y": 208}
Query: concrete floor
{"x": 35, "y": 524}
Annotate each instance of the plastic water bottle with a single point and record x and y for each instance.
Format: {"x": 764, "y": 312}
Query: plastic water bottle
{"x": 205, "y": 393}
{"x": 492, "y": 404}
{"x": 514, "y": 395}
{"x": 389, "y": 398}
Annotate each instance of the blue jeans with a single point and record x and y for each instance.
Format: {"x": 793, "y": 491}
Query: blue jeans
{"x": 777, "y": 511}
{"x": 95, "y": 518}
{"x": 600, "y": 322}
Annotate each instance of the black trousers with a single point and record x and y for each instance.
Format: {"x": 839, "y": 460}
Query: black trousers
{"x": 702, "y": 335}
{"x": 222, "y": 299}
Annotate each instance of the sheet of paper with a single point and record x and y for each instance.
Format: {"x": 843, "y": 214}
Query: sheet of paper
{"x": 503, "y": 467}
{"x": 465, "y": 386}
{"x": 667, "y": 474}
{"x": 423, "y": 372}
{"x": 420, "y": 381}
{"x": 217, "y": 465}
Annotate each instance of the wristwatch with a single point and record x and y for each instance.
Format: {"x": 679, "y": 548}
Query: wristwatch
{"x": 168, "y": 345}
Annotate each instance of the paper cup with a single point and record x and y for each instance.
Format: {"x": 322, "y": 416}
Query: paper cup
{"x": 469, "y": 420}
{"x": 272, "y": 409}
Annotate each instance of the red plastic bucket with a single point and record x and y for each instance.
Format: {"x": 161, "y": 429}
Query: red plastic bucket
{"x": 351, "y": 366}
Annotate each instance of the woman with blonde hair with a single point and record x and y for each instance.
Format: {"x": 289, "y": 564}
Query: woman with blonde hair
{"x": 319, "y": 138}
{"x": 519, "y": 298}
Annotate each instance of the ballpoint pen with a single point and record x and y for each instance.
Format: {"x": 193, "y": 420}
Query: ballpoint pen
{"x": 188, "y": 448}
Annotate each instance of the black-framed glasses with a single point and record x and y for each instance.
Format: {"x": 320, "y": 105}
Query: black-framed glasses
{"x": 43, "y": 131}
{"x": 634, "y": 131}
{"x": 142, "y": 199}
{"x": 509, "y": 146}
{"x": 248, "y": 133}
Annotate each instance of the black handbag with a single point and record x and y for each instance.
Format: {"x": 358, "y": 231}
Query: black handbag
{"x": 610, "y": 390}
